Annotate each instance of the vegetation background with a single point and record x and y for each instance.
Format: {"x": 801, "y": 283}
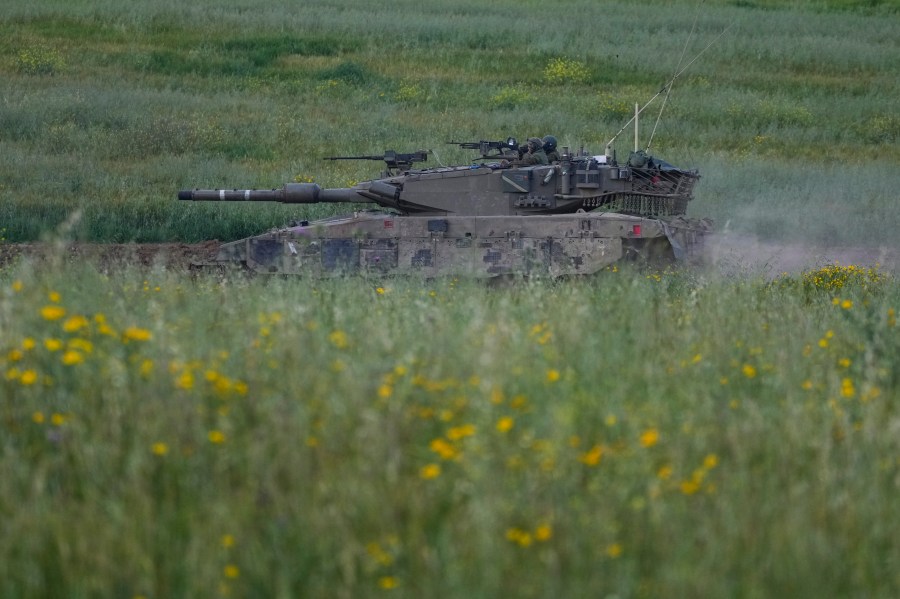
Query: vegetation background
{"x": 640, "y": 434}
{"x": 110, "y": 107}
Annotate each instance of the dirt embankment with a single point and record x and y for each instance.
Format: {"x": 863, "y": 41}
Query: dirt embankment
{"x": 111, "y": 255}
{"x": 730, "y": 253}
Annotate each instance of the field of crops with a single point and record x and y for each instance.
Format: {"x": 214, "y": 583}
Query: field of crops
{"x": 642, "y": 433}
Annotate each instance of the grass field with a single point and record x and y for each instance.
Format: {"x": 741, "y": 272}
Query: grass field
{"x": 638, "y": 434}
{"x": 110, "y": 108}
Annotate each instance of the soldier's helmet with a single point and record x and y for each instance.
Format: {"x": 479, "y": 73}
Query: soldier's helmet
{"x": 549, "y": 143}
{"x": 535, "y": 143}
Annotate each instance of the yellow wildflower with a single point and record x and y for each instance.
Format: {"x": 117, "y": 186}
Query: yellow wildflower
{"x": 82, "y": 345}
{"x": 136, "y": 334}
{"x": 749, "y": 371}
{"x": 75, "y": 323}
{"x": 185, "y": 381}
{"x": 216, "y": 437}
{"x": 665, "y": 472}
{"x": 53, "y": 344}
{"x": 338, "y": 339}
{"x": 388, "y": 582}
{"x": 57, "y": 419}
{"x": 592, "y": 457}
{"x": 28, "y": 377}
{"x": 649, "y": 437}
{"x": 430, "y": 471}
{"x": 689, "y": 487}
{"x": 552, "y": 375}
{"x": 159, "y": 448}
{"x": 146, "y": 367}
{"x": 37, "y": 417}
{"x": 522, "y": 538}
{"x": 614, "y": 550}
{"x": 227, "y": 541}
{"x": 231, "y": 571}
{"x": 459, "y": 432}
{"x": 497, "y": 396}
{"x": 847, "y": 388}
{"x": 505, "y": 424}
{"x": 54, "y": 297}
{"x": 222, "y": 385}
{"x": 543, "y": 532}
{"x": 28, "y": 343}
{"x": 710, "y": 461}
{"x": 72, "y": 357}
{"x": 444, "y": 449}
{"x": 102, "y": 327}
{"x": 52, "y": 312}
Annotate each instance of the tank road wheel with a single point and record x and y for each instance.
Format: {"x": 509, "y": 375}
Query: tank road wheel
{"x": 654, "y": 251}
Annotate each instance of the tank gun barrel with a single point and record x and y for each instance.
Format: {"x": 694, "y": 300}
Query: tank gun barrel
{"x": 292, "y": 193}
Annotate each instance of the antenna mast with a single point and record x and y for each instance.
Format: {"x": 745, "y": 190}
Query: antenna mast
{"x": 664, "y": 88}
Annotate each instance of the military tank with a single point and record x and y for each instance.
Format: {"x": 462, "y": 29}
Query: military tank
{"x": 510, "y": 212}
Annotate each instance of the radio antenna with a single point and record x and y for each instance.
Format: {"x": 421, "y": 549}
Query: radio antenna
{"x": 665, "y": 88}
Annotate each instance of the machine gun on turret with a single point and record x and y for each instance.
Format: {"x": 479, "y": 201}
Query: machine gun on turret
{"x": 395, "y": 163}
{"x": 506, "y": 150}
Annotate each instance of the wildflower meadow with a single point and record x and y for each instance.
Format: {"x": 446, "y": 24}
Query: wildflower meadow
{"x": 639, "y": 434}
{"x": 643, "y": 433}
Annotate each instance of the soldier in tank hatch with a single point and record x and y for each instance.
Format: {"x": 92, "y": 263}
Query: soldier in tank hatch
{"x": 550, "y": 148}
{"x": 535, "y": 153}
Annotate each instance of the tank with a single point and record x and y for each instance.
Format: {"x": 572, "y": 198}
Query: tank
{"x": 512, "y": 211}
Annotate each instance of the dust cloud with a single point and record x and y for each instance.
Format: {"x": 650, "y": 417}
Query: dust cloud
{"x": 742, "y": 253}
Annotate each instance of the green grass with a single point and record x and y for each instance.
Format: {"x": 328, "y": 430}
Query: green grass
{"x": 112, "y": 108}
{"x": 637, "y": 434}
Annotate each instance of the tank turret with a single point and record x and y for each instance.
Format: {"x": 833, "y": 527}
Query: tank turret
{"x": 644, "y": 186}
{"x": 497, "y": 215}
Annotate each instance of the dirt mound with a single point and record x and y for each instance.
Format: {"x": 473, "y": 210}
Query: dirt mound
{"x": 109, "y": 256}
{"x": 727, "y": 252}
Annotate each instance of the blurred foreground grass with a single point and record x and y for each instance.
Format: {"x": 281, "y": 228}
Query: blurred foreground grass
{"x": 637, "y": 434}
